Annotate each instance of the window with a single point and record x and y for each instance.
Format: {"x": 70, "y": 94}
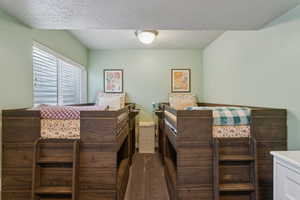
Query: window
{"x": 57, "y": 80}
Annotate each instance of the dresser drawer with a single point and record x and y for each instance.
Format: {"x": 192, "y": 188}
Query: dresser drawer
{"x": 287, "y": 182}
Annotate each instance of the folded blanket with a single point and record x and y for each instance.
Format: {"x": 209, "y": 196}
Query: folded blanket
{"x": 65, "y": 112}
{"x": 231, "y": 131}
{"x": 228, "y": 116}
{"x": 60, "y": 129}
{"x": 171, "y": 127}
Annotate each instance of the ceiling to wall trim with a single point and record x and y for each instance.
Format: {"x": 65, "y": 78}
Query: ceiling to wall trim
{"x": 154, "y": 14}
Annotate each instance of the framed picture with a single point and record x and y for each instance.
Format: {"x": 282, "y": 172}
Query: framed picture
{"x": 113, "y": 80}
{"x": 181, "y": 80}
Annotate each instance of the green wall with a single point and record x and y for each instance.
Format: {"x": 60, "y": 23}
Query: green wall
{"x": 16, "y": 42}
{"x": 147, "y": 74}
{"x": 260, "y": 68}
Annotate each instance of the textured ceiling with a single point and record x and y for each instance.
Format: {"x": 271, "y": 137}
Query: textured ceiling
{"x": 151, "y": 14}
{"x": 118, "y": 39}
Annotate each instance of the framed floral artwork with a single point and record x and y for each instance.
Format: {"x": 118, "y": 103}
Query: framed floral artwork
{"x": 113, "y": 80}
{"x": 181, "y": 80}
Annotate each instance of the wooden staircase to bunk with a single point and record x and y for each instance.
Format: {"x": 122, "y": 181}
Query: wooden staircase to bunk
{"x": 46, "y": 163}
{"x": 235, "y": 169}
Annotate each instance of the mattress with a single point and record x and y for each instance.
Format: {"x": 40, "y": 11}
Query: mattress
{"x": 219, "y": 131}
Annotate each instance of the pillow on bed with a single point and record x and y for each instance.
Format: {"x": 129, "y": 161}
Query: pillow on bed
{"x": 114, "y": 101}
{"x": 181, "y": 101}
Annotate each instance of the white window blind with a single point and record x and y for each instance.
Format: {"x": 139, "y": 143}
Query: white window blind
{"x": 70, "y": 84}
{"x": 57, "y": 80}
{"x": 45, "y": 77}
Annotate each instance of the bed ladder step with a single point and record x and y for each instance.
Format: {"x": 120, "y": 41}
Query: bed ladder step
{"x": 54, "y": 190}
{"x": 54, "y": 160}
{"x": 236, "y": 158}
{"x": 41, "y": 163}
{"x": 237, "y": 187}
{"x": 226, "y": 180}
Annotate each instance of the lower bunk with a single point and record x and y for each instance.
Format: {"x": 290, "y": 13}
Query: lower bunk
{"x": 202, "y": 162}
{"x": 97, "y": 167}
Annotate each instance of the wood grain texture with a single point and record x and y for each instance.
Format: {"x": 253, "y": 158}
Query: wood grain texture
{"x": 147, "y": 179}
{"x": 105, "y": 142}
{"x": 188, "y": 154}
{"x": 237, "y": 173}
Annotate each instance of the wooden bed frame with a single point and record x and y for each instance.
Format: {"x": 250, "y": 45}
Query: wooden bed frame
{"x": 188, "y": 156}
{"x": 104, "y": 146}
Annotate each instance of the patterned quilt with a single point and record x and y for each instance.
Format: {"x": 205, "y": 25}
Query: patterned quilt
{"x": 231, "y": 131}
{"x": 60, "y": 129}
{"x": 228, "y": 116}
{"x": 65, "y": 112}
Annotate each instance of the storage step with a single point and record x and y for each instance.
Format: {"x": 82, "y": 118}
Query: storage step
{"x": 53, "y": 190}
{"x": 236, "y": 158}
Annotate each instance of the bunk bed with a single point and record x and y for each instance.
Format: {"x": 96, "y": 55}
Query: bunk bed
{"x": 189, "y": 151}
{"x": 104, "y": 150}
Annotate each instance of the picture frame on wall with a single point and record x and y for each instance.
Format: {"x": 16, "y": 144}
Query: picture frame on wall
{"x": 180, "y": 80}
{"x": 113, "y": 80}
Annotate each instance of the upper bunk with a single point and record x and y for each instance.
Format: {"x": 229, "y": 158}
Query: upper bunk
{"x": 94, "y": 126}
{"x": 192, "y": 125}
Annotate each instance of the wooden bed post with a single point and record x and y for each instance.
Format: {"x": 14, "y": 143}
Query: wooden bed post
{"x": 269, "y": 128}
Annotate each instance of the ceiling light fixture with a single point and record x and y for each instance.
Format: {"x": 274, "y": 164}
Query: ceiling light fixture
{"x": 146, "y": 36}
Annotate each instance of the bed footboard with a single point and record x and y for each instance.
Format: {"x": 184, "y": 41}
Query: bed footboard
{"x": 188, "y": 154}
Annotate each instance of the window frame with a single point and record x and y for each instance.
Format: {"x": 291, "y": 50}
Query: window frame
{"x": 59, "y": 62}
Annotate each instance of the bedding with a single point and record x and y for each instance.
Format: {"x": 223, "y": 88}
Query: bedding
{"x": 114, "y": 101}
{"x": 171, "y": 117}
{"x": 60, "y": 129}
{"x": 66, "y": 112}
{"x": 62, "y": 122}
{"x": 171, "y": 127}
{"x": 229, "y": 122}
{"x": 181, "y": 101}
{"x": 231, "y": 131}
{"x": 122, "y": 117}
{"x": 228, "y": 116}
{"x": 59, "y": 113}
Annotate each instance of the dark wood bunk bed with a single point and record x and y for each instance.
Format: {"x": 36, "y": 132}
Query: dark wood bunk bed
{"x": 189, "y": 153}
{"x": 105, "y": 150}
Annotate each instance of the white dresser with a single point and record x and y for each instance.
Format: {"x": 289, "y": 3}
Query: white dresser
{"x": 286, "y": 175}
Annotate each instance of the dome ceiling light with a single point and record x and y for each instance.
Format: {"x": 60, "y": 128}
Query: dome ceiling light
{"x": 146, "y": 36}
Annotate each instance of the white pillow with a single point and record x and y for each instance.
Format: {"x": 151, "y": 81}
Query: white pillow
{"x": 113, "y": 102}
{"x": 181, "y": 101}
{"x": 100, "y": 95}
